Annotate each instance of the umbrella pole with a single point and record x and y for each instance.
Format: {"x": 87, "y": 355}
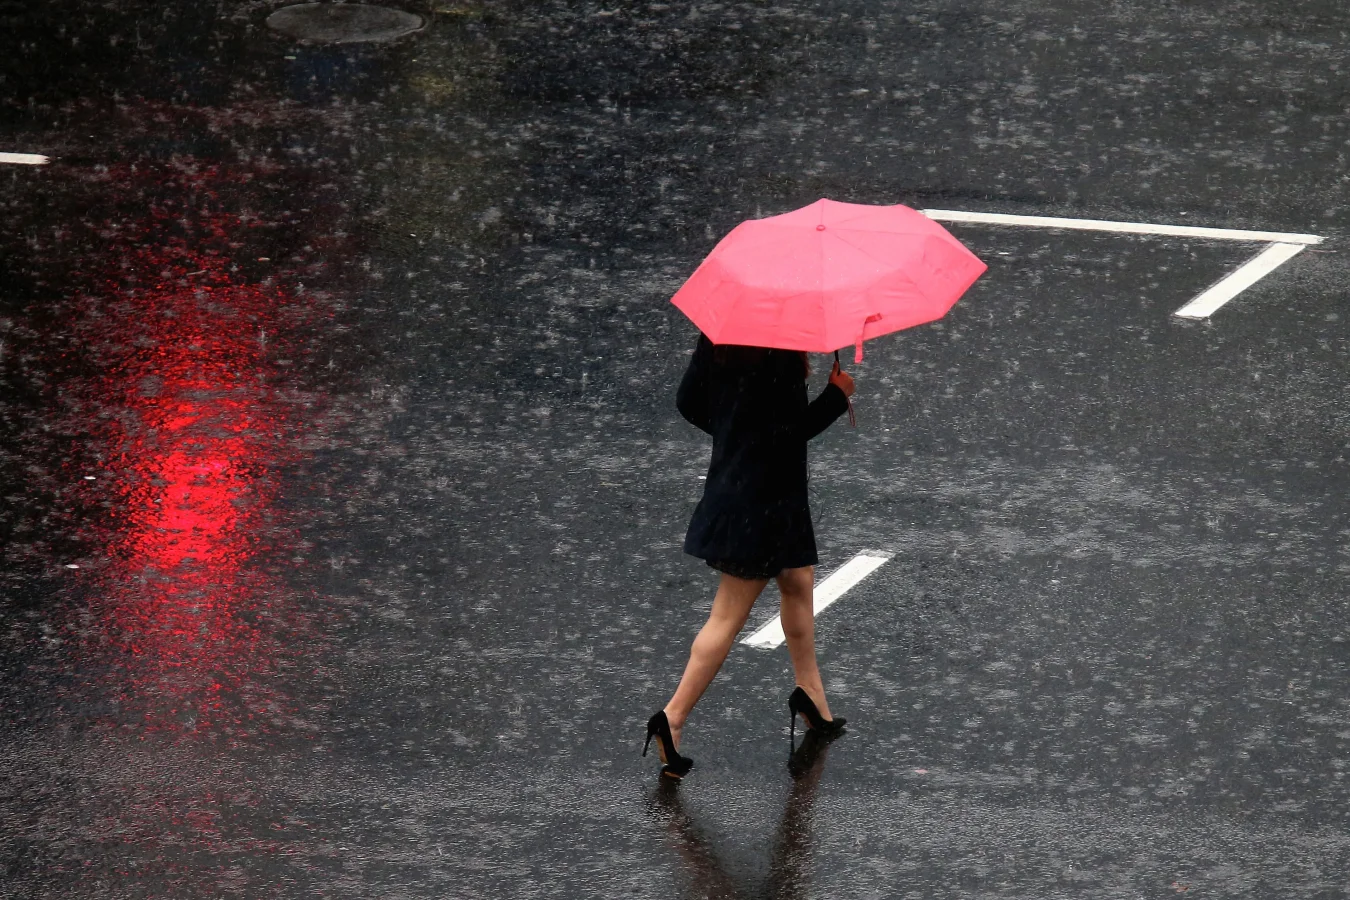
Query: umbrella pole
{"x": 852, "y": 422}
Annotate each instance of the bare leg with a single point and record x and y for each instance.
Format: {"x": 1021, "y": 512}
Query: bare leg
{"x": 799, "y": 627}
{"x": 730, "y": 609}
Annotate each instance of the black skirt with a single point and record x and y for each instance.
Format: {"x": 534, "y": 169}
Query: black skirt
{"x": 748, "y": 571}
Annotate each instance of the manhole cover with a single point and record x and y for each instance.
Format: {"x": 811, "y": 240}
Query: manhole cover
{"x": 343, "y": 23}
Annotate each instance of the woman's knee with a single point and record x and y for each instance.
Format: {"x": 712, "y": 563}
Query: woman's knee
{"x": 796, "y": 584}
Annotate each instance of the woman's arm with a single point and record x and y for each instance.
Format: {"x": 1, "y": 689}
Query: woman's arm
{"x": 822, "y": 411}
{"x": 692, "y": 397}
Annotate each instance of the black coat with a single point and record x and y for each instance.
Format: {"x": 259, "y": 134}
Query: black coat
{"x": 752, "y": 401}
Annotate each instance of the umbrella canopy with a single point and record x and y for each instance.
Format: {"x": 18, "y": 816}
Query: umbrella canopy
{"x": 827, "y": 275}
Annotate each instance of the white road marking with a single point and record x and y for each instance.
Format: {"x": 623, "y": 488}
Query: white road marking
{"x": 825, "y": 593}
{"x": 24, "y": 159}
{"x": 1258, "y": 267}
{"x": 1284, "y": 246}
{"x": 1195, "y": 231}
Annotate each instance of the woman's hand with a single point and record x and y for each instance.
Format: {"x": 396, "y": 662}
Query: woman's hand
{"x": 842, "y": 380}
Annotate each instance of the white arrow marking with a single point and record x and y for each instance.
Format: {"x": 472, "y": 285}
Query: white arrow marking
{"x": 1258, "y": 267}
{"x": 1284, "y": 246}
{"x": 1194, "y": 231}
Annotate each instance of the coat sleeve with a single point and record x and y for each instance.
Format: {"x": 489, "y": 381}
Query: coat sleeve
{"x": 692, "y": 397}
{"x": 823, "y": 410}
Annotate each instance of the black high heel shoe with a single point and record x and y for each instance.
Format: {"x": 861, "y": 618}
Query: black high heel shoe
{"x": 676, "y": 766}
{"x": 800, "y": 703}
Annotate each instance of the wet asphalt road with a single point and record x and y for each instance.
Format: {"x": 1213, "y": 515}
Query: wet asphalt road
{"x": 344, "y": 488}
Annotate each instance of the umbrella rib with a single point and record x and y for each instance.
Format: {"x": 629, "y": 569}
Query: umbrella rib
{"x": 900, "y": 231}
{"x": 760, "y": 237}
{"x": 857, "y": 215}
{"x": 786, "y": 301}
{"x": 875, "y": 259}
{"x": 720, "y": 315}
{"x": 820, "y": 287}
{"x": 895, "y": 271}
{"x": 865, "y": 210}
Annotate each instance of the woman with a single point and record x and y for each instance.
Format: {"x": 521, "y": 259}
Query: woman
{"x": 753, "y": 523}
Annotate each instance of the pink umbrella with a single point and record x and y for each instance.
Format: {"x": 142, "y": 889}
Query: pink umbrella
{"x": 826, "y": 276}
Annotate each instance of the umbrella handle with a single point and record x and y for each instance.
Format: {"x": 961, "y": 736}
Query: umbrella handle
{"x": 852, "y": 422}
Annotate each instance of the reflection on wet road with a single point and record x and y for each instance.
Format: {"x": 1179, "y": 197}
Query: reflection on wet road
{"x": 158, "y": 454}
{"x": 195, "y": 420}
{"x": 789, "y": 861}
{"x": 167, "y": 609}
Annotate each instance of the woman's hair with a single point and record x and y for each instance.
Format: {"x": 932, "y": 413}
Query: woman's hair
{"x": 739, "y": 356}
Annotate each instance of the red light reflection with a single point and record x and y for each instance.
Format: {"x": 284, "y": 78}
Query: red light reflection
{"x": 192, "y": 621}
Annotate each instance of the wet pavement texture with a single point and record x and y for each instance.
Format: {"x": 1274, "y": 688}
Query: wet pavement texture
{"x": 344, "y": 488}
